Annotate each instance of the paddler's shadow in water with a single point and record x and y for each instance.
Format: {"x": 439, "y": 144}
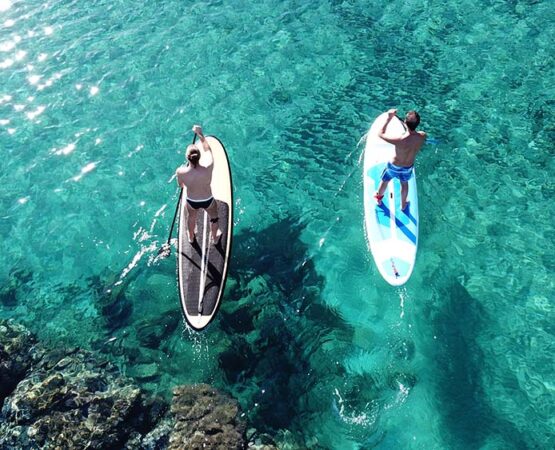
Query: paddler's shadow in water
{"x": 275, "y": 320}
{"x": 460, "y": 363}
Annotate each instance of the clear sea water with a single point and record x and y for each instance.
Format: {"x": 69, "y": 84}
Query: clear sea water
{"x": 96, "y": 103}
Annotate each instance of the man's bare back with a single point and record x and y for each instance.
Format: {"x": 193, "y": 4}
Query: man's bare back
{"x": 196, "y": 180}
{"x": 198, "y": 176}
{"x": 406, "y": 146}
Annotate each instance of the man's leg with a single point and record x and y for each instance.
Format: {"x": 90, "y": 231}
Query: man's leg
{"x": 404, "y": 194}
{"x": 212, "y": 211}
{"x": 385, "y": 179}
{"x": 381, "y": 189}
{"x": 191, "y": 222}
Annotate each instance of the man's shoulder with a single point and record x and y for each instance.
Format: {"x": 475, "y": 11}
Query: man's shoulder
{"x": 181, "y": 169}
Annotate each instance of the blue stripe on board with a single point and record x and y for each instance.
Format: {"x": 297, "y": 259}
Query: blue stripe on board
{"x": 383, "y": 219}
{"x": 375, "y": 172}
{"x": 384, "y": 224}
{"x": 402, "y": 219}
{"x": 402, "y": 227}
{"x": 407, "y": 213}
{"x": 383, "y": 214}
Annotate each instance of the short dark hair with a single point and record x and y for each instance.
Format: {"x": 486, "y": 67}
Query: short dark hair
{"x": 412, "y": 119}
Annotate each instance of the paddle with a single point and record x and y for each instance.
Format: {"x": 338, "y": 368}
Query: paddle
{"x": 166, "y": 249}
{"x": 430, "y": 140}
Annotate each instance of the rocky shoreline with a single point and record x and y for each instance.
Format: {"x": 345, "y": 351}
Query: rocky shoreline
{"x": 71, "y": 399}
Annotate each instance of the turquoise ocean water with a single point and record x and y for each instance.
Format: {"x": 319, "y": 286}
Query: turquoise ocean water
{"x": 96, "y": 103}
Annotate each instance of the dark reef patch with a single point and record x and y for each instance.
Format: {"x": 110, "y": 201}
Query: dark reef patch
{"x": 14, "y": 287}
{"x": 275, "y": 321}
{"x": 111, "y": 301}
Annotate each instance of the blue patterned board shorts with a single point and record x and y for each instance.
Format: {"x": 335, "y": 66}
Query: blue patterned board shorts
{"x": 393, "y": 171}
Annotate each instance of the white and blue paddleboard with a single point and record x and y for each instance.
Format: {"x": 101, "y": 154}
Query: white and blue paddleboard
{"x": 392, "y": 233}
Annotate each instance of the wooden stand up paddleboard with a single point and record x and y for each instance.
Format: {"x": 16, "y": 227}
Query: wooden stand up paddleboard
{"x": 392, "y": 233}
{"x": 202, "y": 266}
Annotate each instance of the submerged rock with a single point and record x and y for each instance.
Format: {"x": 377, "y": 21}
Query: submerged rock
{"x": 64, "y": 398}
{"x": 16, "y": 357}
{"x": 205, "y": 418}
{"x": 111, "y": 301}
{"x": 151, "y": 332}
{"x": 69, "y": 399}
{"x": 145, "y": 372}
{"x": 157, "y": 439}
{"x": 72, "y": 404}
{"x": 237, "y": 361}
{"x": 8, "y": 295}
{"x": 17, "y": 280}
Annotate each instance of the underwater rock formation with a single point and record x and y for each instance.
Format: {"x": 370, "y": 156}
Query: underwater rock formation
{"x": 8, "y": 295}
{"x": 204, "y": 418}
{"x": 68, "y": 398}
{"x": 111, "y": 301}
{"x": 15, "y": 356}
{"x": 152, "y": 331}
{"x": 10, "y": 289}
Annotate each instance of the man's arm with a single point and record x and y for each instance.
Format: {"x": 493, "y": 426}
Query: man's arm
{"x": 197, "y": 129}
{"x": 208, "y": 163}
{"x": 390, "y": 115}
{"x": 179, "y": 177}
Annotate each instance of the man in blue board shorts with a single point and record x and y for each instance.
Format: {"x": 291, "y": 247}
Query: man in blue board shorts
{"x": 406, "y": 148}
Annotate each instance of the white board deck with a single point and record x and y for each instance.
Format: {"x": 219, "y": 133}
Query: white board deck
{"x": 392, "y": 233}
{"x": 202, "y": 266}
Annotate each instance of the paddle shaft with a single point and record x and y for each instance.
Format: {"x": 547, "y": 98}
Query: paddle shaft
{"x": 175, "y": 215}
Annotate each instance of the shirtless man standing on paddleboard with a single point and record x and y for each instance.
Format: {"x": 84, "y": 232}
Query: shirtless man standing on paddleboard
{"x": 406, "y": 148}
{"x": 197, "y": 179}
